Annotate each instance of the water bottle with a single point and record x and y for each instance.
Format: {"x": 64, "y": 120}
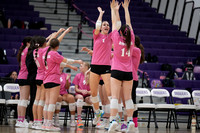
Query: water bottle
{"x": 193, "y": 124}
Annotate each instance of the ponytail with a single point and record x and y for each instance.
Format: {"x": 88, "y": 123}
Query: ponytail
{"x": 45, "y": 59}
{"x": 125, "y": 29}
{"x": 24, "y": 44}
{"x": 53, "y": 44}
{"x": 140, "y": 46}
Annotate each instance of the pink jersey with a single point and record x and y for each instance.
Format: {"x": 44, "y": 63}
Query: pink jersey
{"x": 40, "y": 62}
{"x": 52, "y": 70}
{"x": 101, "y": 50}
{"x": 63, "y": 81}
{"x": 80, "y": 81}
{"x": 135, "y": 62}
{"x": 23, "y": 73}
{"x": 122, "y": 58}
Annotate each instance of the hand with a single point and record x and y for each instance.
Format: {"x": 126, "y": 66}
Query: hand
{"x": 61, "y": 30}
{"x": 74, "y": 68}
{"x": 100, "y": 10}
{"x": 90, "y": 52}
{"x": 84, "y": 92}
{"x": 53, "y": 35}
{"x": 84, "y": 49}
{"x": 69, "y": 29}
{"x": 117, "y": 5}
{"x": 68, "y": 76}
{"x": 126, "y": 3}
{"x": 112, "y": 4}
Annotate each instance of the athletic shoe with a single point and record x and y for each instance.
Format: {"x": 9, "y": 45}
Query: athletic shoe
{"x": 39, "y": 126}
{"x": 44, "y": 126}
{"x": 18, "y": 123}
{"x": 123, "y": 127}
{"x": 101, "y": 124}
{"x": 98, "y": 117}
{"x": 56, "y": 123}
{"x": 107, "y": 124}
{"x": 32, "y": 125}
{"x": 113, "y": 126}
{"x": 23, "y": 124}
{"x": 136, "y": 130}
{"x": 80, "y": 124}
{"x": 73, "y": 123}
{"x": 130, "y": 127}
{"x": 119, "y": 127}
{"x": 52, "y": 128}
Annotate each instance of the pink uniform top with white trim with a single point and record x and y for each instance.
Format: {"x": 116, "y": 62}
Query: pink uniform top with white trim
{"x": 135, "y": 62}
{"x": 63, "y": 81}
{"x": 102, "y": 49}
{"x": 40, "y": 62}
{"x": 80, "y": 81}
{"x": 122, "y": 58}
{"x": 52, "y": 70}
{"x": 23, "y": 73}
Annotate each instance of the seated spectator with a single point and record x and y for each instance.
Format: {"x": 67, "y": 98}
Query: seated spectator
{"x": 81, "y": 82}
{"x": 65, "y": 83}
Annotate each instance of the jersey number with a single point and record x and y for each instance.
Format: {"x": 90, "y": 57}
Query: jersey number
{"x": 127, "y": 52}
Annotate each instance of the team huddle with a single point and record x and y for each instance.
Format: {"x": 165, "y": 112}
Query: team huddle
{"x": 112, "y": 73}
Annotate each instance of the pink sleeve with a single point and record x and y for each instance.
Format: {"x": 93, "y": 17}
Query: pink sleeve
{"x": 76, "y": 79}
{"x": 115, "y": 36}
{"x": 95, "y": 36}
{"x": 58, "y": 58}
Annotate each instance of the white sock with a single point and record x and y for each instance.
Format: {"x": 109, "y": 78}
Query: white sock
{"x": 73, "y": 117}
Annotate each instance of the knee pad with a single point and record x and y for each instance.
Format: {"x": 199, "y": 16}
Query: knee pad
{"x": 80, "y": 103}
{"x": 107, "y": 109}
{"x": 45, "y": 107}
{"x": 119, "y": 107}
{"x": 98, "y": 25}
{"x": 135, "y": 107}
{"x": 41, "y": 103}
{"x": 72, "y": 106}
{"x": 35, "y": 102}
{"x": 19, "y": 103}
{"x": 95, "y": 99}
{"x": 24, "y": 103}
{"x": 58, "y": 105}
{"x": 119, "y": 24}
{"x": 129, "y": 104}
{"x": 51, "y": 107}
{"x": 114, "y": 104}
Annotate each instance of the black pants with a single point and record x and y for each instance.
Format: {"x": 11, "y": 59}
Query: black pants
{"x": 33, "y": 89}
{"x": 135, "y": 85}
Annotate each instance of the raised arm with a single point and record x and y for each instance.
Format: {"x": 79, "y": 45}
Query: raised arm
{"x": 64, "y": 33}
{"x": 54, "y": 35}
{"x": 116, "y": 23}
{"x": 99, "y": 21}
{"x": 127, "y": 14}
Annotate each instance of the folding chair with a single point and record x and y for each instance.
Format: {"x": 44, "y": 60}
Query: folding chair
{"x": 182, "y": 106}
{"x": 11, "y": 88}
{"x": 163, "y": 93}
{"x": 2, "y": 106}
{"x": 143, "y": 92}
{"x": 196, "y": 101}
